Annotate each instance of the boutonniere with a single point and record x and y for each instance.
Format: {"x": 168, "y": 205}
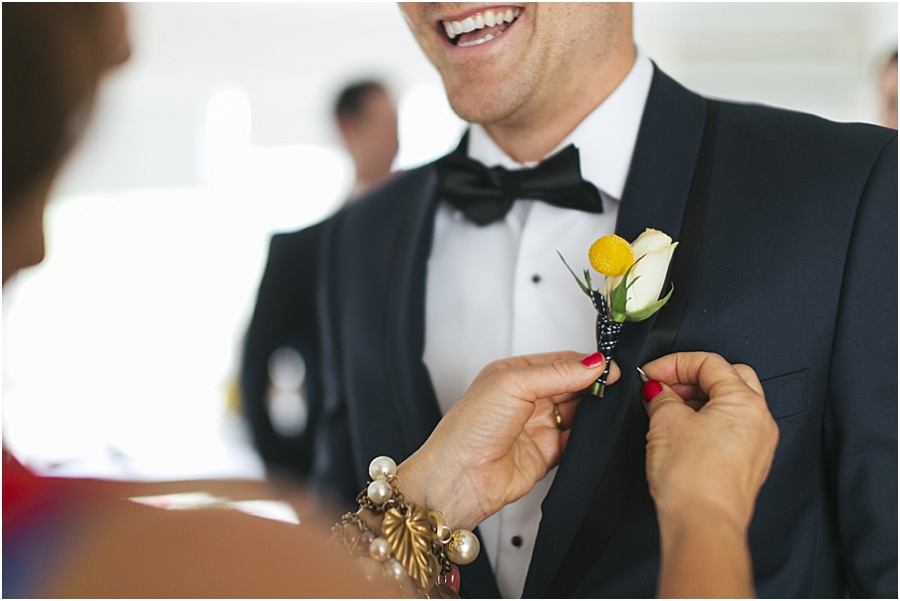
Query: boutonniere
{"x": 635, "y": 275}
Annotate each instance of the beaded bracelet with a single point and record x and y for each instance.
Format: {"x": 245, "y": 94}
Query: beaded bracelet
{"x": 415, "y": 547}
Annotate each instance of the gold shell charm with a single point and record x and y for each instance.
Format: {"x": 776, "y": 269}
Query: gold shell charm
{"x": 410, "y": 538}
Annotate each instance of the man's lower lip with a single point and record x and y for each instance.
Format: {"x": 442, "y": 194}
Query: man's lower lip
{"x": 479, "y": 41}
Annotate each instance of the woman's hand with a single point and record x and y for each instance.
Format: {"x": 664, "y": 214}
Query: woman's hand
{"x": 711, "y": 435}
{"x": 709, "y": 450}
{"x": 501, "y": 437}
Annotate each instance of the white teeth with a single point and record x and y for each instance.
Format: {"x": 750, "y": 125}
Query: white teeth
{"x": 479, "y": 21}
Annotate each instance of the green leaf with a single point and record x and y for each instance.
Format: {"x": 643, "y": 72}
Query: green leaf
{"x": 650, "y": 309}
{"x": 587, "y": 276}
{"x": 619, "y": 298}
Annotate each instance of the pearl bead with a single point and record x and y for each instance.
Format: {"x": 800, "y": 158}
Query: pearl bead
{"x": 372, "y": 570}
{"x": 366, "y": 538}
{"x": 379, "y": 492}
{"x": 463, "y": 547}
{"x": 379, "y": 549}
{"x": 381, "y": 467}
{"x": 394, "y": 571}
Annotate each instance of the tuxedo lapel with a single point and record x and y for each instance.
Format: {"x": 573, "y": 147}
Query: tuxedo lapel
{"x": 410, "y": 382}
{"x": 605, "y": 448}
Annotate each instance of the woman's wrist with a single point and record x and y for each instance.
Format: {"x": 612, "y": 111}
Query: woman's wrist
{"x": 675, "y": 515}
{"x": 675, "y": 521}
{"x": 432, "y": 483}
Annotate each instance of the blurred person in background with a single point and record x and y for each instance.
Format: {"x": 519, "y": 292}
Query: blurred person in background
{"x": 280, "y": 367}
{"x": 280, "y": 363}
{"x": 366, "y": 118}
{"x": 887, "y": 88}
{"x": 786, "y": 223}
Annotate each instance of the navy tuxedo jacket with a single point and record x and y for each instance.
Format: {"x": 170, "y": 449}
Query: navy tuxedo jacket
{"x": 284, "y": 317}
{"x": 796, "y": 276}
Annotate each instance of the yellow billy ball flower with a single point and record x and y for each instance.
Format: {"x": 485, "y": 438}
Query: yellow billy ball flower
{"x": 611, "y": 255}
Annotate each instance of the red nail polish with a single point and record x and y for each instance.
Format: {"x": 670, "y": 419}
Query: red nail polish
{"x": 650, "y": 390}
{"x": 593, "y": 360}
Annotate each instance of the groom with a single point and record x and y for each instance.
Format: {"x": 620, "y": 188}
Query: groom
{"x": 787, "y": 262}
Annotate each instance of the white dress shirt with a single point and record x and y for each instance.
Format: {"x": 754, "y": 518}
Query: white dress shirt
{"x": 501, "y": 290}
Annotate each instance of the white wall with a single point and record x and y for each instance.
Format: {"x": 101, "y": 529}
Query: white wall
{"x": 822, "y": 58}
{"x": 119, "y": 352}
{"x": 290, "y": 58}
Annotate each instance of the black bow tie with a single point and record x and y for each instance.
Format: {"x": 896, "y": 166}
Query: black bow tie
{"x": 486, "y": 194}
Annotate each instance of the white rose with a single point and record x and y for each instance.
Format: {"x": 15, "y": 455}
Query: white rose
{"x": 638, "y": 297}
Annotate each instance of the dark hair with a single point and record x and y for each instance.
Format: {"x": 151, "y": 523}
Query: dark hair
{"x": 351, "y": 100}
{"x": 44, "y": 94}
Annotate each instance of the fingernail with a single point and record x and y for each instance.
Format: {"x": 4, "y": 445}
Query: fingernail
{"x": 593, "y": 360}
{"x": 650, "y": 390}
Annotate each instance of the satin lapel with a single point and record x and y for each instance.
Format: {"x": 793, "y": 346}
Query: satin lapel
{"x": 404, "y": 336}
{"x": 606, "y": 443}
{"x": 410, "y": 383}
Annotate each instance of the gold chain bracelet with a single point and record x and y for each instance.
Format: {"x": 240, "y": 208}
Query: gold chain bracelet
{"x": 415, "y": 549}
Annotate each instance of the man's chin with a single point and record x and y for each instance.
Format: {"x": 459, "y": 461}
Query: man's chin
{"x": 485, "y": 108}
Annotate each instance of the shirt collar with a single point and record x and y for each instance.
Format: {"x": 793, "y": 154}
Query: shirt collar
{"x": 605, "y": 138}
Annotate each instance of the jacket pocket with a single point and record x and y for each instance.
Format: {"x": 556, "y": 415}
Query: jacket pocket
{"x": 787, "y": 394}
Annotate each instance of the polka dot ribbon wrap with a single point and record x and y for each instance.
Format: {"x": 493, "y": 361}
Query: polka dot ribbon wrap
{"x": 607, "y": 338}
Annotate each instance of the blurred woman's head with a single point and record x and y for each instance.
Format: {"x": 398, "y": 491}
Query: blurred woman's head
{"x": 888, "y": 89}
{"x": 53, "y": 58}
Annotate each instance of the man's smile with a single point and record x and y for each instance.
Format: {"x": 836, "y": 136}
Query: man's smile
{"x": 480, "y": 27}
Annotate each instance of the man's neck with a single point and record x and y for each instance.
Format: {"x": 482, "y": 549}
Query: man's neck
{"x": 531, "y": 137}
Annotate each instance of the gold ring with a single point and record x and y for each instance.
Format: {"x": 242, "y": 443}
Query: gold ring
{"x": 558, "y": 418}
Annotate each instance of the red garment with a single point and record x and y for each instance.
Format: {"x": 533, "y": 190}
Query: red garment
{"x": 35, "y": 527}
{"x": 23, "y": 493}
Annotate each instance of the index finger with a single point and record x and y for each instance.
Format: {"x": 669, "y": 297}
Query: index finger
{"x": 535, "y": 377}
{"x": 533, "y": 359}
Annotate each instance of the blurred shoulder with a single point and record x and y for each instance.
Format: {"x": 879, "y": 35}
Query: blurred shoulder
{"x": 405, "y": 186}
{"x": 126, "y": 550}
